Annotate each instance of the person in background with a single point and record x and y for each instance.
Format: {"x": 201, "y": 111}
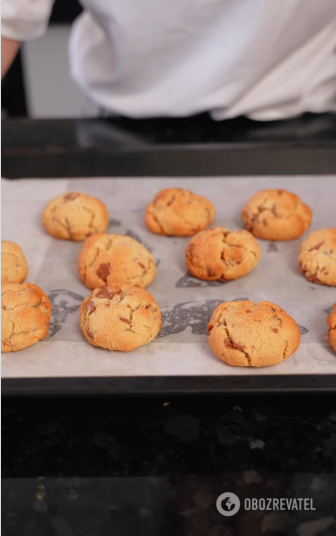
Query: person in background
{"x": 267, "y": 59}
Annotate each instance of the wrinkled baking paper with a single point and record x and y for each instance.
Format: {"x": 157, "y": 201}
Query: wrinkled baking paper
{"x": 185, "y": 302}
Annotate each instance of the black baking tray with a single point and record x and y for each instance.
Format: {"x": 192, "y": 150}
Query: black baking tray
{"x": 122, "y": 147}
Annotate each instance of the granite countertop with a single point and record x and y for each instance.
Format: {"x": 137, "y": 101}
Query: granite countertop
{"x": 152, "y": 465}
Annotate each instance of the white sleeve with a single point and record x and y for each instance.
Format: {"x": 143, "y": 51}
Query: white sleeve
{"x": 24, "y": 19}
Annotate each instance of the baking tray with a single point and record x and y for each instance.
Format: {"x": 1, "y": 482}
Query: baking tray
{"x": 188, "y": 365}
{"x": 191, "y": 146}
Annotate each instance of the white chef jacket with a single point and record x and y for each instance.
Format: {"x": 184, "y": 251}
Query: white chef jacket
{"x": 268, "y": 59}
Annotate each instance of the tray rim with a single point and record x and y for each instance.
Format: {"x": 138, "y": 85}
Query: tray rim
{"x": 193, "y": 160}
{"x": 171, "y": 385}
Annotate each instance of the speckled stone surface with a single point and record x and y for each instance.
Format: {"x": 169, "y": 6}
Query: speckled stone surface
{"x": 156, "y": 466}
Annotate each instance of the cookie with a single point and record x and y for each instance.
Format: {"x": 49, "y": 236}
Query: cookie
{"x": 219, "y": 254}
{"x": 107, "y": 259}
{"x": 317, "y": 257}
{"x": 75, "y": 216}
{"x": 178, "y": 212}
{"x": 332, "y": 328}
{"x": 25, "y": 315}
{"x": 14, "y": 265}
{"x": 276, "y": 215}
{"x": 246, "y": 335}
{"x": 120, "y": 317}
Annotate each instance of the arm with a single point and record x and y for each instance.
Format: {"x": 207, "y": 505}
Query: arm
{"x": 9, "y": 49}
{"x": 21, "y": 20}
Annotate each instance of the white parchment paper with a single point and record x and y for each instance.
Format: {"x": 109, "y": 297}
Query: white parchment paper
{"x": 186, "y": 303}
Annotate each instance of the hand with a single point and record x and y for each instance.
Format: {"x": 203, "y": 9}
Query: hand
{"x": 9, "y": 49}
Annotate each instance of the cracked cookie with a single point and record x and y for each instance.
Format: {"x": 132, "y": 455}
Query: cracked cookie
{"x": 317, "y": 257}
{"x": 75, "y": 216}
{"x": 107, "y": 259}
{"x": 276, "y": 215}
{"x": 332, "y": 328}
{"x": 246, "y": 335}
{"x": 120, "y": 317}
{"x": 178, "y": 212}
{"x": 219, "y": 254}
{"x": 25, "y": 315}
{"x": 14, "y": 265}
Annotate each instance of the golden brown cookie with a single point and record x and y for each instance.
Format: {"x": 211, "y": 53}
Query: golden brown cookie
{"x": 25, "y": 315}
{"x": 107, "y": 259}
{"x": 178, "y": 212}
{"x": 317, "y": 257}
{"x": 246, "y": 335}
{"x": 332, "y": 328}
{"x": 14, "y": 265}
{"x": 75, "y": 216}
{"x": 219, "y": 254}
{"x": 120, "y": 317}
{"x": 276, "y": 215}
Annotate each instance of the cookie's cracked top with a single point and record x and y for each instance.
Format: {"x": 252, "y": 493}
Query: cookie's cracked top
{"x": 14, "y": 265}
{"x": 219, "y": 254}
{"x": 75, "y": 216}
{"x": 178, "y": 212}
{"x": 25, "y": 315}
{"x": 246, "y": 335}
{"x": 120, "y": 317}
{"x": 332, "y": 328}
{"x": 107, "y": 259}
{"x": 276, "y": 215}
{"x": 317, "y": 257}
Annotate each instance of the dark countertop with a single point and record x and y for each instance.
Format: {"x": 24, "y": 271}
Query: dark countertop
{"x": 133, "y": 466}
{"x": 151, "y": 465}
